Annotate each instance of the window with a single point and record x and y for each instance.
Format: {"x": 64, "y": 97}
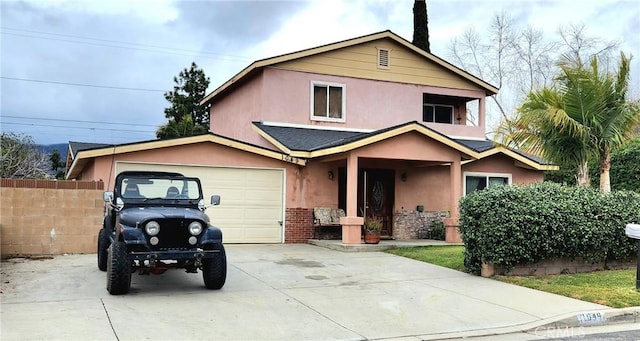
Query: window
{"x": 437, "y": 113}
{"x": 327, "y": 101}
{"x": 478, "y": 181}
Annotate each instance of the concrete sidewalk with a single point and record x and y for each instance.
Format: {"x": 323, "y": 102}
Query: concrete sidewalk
{"x": 273, "y": 292}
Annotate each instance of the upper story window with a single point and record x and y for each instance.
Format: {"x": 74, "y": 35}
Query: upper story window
{"x": 478, "y": 181}
{"x": 328, "y": 101}
{"x": 437, "y": 113}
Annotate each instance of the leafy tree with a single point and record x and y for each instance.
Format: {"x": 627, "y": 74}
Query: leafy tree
{"x": 420, "y": 25}
{"x": 585, "y": 116}
{"x": 186, "y": 116}
{"x": 57, "y": 165}
{"x": 21, "y": 158}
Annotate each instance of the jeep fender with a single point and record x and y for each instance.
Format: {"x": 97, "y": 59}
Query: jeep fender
{"x": 212, "y": 235}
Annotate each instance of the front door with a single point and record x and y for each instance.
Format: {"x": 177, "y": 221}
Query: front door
{"x": 376, "y": 188}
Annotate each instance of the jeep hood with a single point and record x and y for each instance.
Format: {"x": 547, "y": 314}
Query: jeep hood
{"x": 132, "y": 216}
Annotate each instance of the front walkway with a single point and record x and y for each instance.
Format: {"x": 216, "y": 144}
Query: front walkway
{"x": 336, "y": 244}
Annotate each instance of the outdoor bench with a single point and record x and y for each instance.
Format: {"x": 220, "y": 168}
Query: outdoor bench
{"x": 326, "y": 217}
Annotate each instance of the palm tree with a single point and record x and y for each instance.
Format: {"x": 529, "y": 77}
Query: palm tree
{"x": 173, "y": 129}
{"x": 586, "y": 115}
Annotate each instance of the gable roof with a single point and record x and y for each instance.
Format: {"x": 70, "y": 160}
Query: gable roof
{"x": 84, "y": 155}
{"x": 75, "y": 147}
{"x": 310, "y": 142}
{"x": 314, "y": 142}
{"x": 258, "y": 65}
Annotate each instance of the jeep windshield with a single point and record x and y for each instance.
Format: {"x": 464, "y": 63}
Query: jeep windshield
{"x": 160, "y": 188}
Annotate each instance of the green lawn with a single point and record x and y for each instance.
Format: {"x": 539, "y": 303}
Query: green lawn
{"x": 614, "y": 288}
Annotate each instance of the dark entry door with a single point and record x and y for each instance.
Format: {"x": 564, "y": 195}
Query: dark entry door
{"x": 376, "y": 188}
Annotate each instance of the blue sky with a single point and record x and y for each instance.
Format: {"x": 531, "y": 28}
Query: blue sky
{"x": 95, "y": 71}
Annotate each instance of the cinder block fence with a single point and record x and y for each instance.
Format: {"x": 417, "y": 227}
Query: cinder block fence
{"x": 49, "y": 217}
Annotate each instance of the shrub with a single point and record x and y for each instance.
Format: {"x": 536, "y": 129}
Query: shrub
{"x": 438, "y": 230}
{"x": 510, "y": 225}
{"x": 625, "y": 170}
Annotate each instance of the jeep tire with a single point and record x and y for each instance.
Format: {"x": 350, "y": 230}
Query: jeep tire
{"x": 214, "y": 270}
{"x": 118, "y": 269}
{"x": 103, "y": 248}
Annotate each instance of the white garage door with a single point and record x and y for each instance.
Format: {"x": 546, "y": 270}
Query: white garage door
{"x": 251, "y": 207}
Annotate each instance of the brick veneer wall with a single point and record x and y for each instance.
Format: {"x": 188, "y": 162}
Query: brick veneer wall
{"x": 46, "y": 217}
{"x": 408, "y": 224}
{"x": 299, "y": 225}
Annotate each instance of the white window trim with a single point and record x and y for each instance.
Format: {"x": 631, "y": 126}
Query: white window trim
{"x": 344, "y": 102}
{"x": 453, "y": 112}
{"x": 486, "y": 175}
{"x": 388, "y": 51}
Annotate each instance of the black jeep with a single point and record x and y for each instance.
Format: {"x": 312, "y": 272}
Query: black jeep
{"x": 155, "y": 221}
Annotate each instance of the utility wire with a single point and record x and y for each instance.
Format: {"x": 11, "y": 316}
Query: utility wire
{"x": 75, "y": 121}
{"x": 118, "y": 42}
{"x": 78, "y": 84}
{"x": 148, "y": 48}
{"x": 70, "y": 127}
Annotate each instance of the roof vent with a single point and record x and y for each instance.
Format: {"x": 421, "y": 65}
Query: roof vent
{"x": 383, "y": 58}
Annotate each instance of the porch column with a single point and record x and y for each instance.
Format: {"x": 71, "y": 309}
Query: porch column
{"x": 352, "y": 224}
{"x": 451, "y": 224}
{"x": 482, "y": 113}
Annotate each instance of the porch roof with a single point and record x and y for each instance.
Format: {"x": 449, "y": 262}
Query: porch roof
{"x": 309, "y": 142}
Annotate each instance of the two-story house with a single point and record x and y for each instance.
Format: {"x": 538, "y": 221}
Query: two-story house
{"x": 372, "y": 125}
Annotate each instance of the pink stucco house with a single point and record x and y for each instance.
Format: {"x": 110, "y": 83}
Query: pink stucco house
{"x": 372, "y": 125}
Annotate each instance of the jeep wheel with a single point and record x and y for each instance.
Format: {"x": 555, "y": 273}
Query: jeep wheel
{"x": 118, "y": 269}
{"x": 214, "y": 270}
{"x": 103, "y": 249}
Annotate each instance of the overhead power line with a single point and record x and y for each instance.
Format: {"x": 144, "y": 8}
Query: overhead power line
{"x": 76, "y": 121}
{"x": 79, "y": 84}
{"x": 120, "y": 44}
{"x": 72, "y": 127}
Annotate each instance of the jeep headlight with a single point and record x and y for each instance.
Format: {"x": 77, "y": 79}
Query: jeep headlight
{"x": 152, "y": 228}
{"x": 195, "y": 228}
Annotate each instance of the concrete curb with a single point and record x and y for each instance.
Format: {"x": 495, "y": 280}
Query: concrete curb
{"x": 544, "y": 326}
{"x": 609, "y": 317}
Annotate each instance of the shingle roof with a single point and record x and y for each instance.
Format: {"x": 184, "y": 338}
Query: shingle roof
{"x": 306, "y": 139}
{"x": 477, "y": 145}
{"x": 80, "y": 146}
{"x": 312, "y": 139}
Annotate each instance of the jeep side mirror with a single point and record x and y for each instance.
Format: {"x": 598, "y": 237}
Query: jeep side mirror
{"x": 215, "y": 200}
{"x": 107, "y": 196}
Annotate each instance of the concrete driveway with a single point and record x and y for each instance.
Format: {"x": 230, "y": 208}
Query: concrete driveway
{"x": 273, "y": 292}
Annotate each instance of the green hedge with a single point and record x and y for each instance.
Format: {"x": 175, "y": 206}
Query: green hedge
{"x": 510, "y": 225}
{"x": 624, "y": 174}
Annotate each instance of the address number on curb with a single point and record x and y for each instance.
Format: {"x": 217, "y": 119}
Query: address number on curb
{"x": 584, "y": 318}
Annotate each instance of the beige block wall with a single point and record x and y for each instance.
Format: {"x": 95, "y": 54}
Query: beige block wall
{"x": 49, "y": 221}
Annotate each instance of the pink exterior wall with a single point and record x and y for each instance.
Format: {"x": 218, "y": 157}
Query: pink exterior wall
{"x": 233, "y": 114}
{"x": 425, "y": 162}
{"x": 284, "y": 96}
{"x": 305, "y": 186}
{"x": 501, "y": 163}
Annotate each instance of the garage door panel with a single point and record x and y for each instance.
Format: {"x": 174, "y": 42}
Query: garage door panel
{"x": 251, "y": 204}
